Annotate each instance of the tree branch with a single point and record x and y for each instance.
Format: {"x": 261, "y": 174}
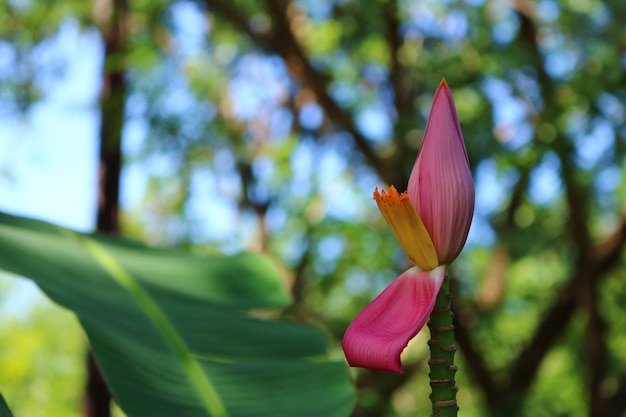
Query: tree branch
{"x": 400, "y": 77}
{"x": 113, "y": 29}
{"x": 283, "y": 43}
{"x": 286, "y": 45}
{"x": 525, "y": 367}
{"x": 596, "y": 352}
{"x": 557, "y": 317}
{"x": 474, "y": 360}
{"x": 402, "y": 83}
{"x": 616, "y": 404}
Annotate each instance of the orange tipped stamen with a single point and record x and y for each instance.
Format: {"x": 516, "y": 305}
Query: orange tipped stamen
{"x": 408, "y": 227}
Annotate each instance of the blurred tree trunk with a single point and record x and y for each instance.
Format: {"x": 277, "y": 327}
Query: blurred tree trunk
{"x": 110, "y": 16}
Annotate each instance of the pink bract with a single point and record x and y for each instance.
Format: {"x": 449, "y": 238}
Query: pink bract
{"x": 377, "y": 336}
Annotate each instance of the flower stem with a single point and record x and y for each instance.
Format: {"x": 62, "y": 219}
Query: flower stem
{"x": 442, "y": 349}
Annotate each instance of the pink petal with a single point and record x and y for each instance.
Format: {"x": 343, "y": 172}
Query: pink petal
{"x": 382, "y": 330}
{"x": 441, "y": 186}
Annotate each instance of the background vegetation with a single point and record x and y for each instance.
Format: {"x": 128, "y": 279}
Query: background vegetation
{"x": 268, "y": 124}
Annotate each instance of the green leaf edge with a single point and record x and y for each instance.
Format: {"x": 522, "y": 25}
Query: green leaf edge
{"x": 4, "y": 408}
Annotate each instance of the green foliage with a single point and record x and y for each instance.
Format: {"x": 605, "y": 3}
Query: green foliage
{"x": 174, "y": 332}
{"x": 41, "y": 357}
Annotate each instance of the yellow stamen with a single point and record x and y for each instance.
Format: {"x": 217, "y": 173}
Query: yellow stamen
{"x": 408, "y": 227}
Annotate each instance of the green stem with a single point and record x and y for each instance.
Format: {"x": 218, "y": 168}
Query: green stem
{"x": 442, "y": 349}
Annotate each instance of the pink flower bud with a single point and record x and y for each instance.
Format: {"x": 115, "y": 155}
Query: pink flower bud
{"x": 441, "y": 186}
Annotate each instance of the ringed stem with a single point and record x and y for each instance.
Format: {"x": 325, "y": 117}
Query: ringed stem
{"x": 442, "y": 350}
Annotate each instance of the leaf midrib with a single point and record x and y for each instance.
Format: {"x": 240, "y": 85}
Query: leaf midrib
{"x": 198, "y": 378}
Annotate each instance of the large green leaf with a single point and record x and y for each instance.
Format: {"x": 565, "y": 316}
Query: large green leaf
{"x": 173, "y": 333}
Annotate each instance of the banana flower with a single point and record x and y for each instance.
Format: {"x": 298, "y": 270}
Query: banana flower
{"x": 431, "y": 221}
